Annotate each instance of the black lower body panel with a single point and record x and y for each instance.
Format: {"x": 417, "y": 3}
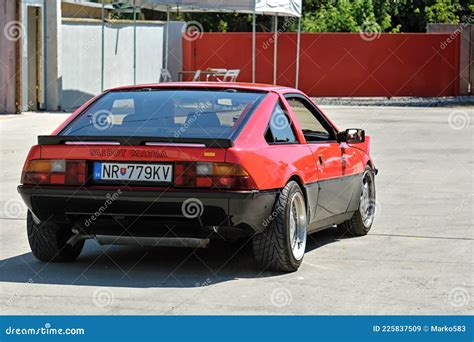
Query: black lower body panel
{"x": 152, "y": 213}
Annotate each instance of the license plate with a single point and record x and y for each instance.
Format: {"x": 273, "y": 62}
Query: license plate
{"x": 162, "y": 173}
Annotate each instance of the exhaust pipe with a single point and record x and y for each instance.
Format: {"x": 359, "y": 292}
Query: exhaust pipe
{"x": 77, "y": 237}
{"x": 152, "y": 241}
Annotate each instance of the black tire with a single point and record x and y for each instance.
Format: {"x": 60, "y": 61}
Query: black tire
{"x": 356, "y": 226}
{"x": 48, "y": 241}
{"x": 272, "y": 248}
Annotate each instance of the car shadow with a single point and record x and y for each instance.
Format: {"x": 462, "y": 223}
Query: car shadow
{"x": 136, "y": 267}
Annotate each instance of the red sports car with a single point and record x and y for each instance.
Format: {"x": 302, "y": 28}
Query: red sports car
{"x": 180, "y": 164}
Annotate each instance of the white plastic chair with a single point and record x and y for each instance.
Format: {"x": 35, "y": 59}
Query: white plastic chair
{"x": 197, "y": 76}
{"x": 215, "y": 73}
{"x": 165, "y": 76}
{"x": 230, "y": 75}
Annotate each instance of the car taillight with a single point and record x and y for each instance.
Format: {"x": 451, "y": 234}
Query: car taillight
{"x": 54, "y": 171}
{"x": 212, "y": 175}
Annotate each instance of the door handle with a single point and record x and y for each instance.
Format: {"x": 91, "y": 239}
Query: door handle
{"x": 320, "y": 164}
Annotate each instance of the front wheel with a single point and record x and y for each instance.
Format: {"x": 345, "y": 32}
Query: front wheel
{"x": 48, "y": 241}
{"x": 281, "y": 246}
{"x": 362, "y": 220}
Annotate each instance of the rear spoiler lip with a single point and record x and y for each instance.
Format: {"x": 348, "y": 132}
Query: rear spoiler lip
{"x": 133, "y": 141}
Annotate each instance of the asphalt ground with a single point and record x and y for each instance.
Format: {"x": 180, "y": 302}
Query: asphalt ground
{"x": 417, "y": 259}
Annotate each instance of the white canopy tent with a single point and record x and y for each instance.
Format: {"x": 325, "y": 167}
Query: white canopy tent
{"x": 267, "y": 7}
{"x": 275, "y": 8}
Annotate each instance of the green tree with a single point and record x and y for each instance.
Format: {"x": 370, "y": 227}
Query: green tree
{"x": 344, "y": 16}
{"x": 389, "y": 16}
{"x": 442, "y": 12}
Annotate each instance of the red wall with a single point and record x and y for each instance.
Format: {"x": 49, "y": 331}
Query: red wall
{"x": 337, "y": 64}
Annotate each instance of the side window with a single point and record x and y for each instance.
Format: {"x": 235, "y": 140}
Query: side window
{"x": 279, "y": 129}
{"x": 313, "y": 129}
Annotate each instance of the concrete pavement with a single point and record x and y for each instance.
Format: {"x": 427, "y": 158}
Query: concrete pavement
{"x": 417, "y": 259}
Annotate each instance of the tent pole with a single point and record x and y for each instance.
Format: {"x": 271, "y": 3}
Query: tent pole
{"x": 298, "y": 44}
{"x": 134, "y": 43}
{"x": 254, "y": 43}
{"x": 102, "y": 49}
{"x": 275, "y": 49}
{"x": 167, "y": 36}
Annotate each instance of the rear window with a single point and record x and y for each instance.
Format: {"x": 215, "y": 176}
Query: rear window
{"x": 166, "y": 113}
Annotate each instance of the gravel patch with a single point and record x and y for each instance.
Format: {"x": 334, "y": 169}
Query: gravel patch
{"x": 449, "y": 101}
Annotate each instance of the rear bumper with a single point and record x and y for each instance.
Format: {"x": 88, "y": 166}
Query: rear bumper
{"x": 89, "y": 208}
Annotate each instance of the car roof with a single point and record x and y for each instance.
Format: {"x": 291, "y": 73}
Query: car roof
{"x": 207, "y": 85}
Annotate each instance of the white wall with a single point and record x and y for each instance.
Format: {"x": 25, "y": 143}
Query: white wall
{"x": 8, "y": 58}
{"x": 81, "y": 57}
{"x": 175, "y": 51}
{"x": 25, "y": 58}
{"x": 52, "y": 55}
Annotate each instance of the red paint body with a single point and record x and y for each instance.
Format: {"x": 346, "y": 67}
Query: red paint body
{"x": 329, "y": 172}
{"x": 270, "y": 166}
{"x": 267, "y": 178}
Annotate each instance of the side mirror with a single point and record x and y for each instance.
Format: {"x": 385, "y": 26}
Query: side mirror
{"x": 351, "y": 136}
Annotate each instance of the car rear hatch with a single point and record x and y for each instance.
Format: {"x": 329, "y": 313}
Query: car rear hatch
{"x": 66, "y": 175}
{"x": 134, "y": 161}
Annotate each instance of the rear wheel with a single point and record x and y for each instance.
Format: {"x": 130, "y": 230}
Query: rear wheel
{"x": 48, "y": 241}
{"x": 281, "y": 246}
{"x": 362, "y": 220}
